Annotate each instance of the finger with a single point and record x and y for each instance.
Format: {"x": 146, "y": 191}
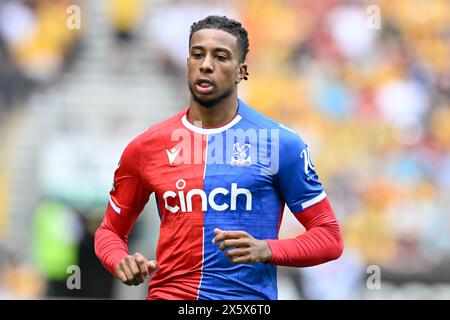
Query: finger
{"x": 241, "y": 259}
{"x": 233, "y": 243}
{"x": 133, "y": 282}
{"x": 229, "y": 235}
{"x": 152, "y": 266}
{"x": 235, "y": 253}
{"x": 142, "y": 264}
{"x": 121, "y": 275}
{"x": 135, "y": 270}
{"x": 127, "y": 271}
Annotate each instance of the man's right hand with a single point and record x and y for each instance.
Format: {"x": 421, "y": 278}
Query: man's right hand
{"x": 134, "y": 269}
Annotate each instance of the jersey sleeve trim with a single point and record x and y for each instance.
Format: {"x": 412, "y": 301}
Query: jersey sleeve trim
{"x": 314, "y": 200}
{"x": 115, "y": 207}
{"x": 300, "y": 206}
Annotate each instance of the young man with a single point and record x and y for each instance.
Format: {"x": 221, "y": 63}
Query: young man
{"x": 221, "y": 173}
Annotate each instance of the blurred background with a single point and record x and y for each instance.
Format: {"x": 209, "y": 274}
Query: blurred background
{"x": 372, "y": 101}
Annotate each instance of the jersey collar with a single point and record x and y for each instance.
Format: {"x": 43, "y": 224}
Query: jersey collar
{"x": 215, "y": 130}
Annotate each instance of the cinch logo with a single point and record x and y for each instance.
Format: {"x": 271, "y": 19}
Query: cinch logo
{"x": 185, "y": 200}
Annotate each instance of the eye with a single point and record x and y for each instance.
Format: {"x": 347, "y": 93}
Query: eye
{"x": 196, "y": 55}
{"x": 221, "y": 58}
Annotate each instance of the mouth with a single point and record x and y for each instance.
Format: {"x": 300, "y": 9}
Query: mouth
{"x": 204, "y": 86}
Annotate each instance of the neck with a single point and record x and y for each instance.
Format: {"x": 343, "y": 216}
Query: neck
{"x": 215, "y": 116}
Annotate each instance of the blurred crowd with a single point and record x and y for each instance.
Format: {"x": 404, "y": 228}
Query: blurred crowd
{"x": 371, "y": 100}
{"x": 35, "y": 46}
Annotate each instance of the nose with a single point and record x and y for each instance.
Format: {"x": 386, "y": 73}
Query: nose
{"x": 206, "y": 66}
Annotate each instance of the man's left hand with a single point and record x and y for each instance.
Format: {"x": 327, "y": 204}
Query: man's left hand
{"x": 245, "y": 248}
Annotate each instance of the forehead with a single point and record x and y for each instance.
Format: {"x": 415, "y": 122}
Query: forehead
{"x": 214, "y": 38}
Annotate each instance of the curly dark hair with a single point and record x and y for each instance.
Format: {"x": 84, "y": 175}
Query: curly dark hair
{"x": 229, "y": 25}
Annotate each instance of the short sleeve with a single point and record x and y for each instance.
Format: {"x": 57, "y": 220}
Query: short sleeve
{"x": 129, "y": 194}
{"x": 297, "y": 179}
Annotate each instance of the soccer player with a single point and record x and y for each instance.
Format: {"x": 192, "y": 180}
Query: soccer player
{"x": 221, "y": 173}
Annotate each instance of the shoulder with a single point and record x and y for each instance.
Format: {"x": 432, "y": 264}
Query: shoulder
{"x": 255, "y": 118}
{"x": 288, "y": 138}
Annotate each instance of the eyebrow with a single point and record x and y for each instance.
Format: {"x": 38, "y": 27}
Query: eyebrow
{"x": 215, "y": 49}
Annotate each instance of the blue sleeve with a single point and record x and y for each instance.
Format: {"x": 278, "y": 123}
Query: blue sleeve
{"x": 297, "y": 180}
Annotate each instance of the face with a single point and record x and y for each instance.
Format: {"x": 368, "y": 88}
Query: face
{"x": 213, "y": 65}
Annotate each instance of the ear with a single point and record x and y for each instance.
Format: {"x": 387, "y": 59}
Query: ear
{"x": 242, "y": 73}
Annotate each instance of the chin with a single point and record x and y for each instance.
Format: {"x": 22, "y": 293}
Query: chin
{"x": 209, "y": 101}
{"x": 206, "y": 102}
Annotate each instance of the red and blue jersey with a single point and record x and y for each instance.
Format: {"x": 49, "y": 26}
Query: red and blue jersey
{"x": 235, "y": 177}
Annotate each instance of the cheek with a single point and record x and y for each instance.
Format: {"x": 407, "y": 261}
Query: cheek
{"x": 190, "y": 66}
{"x": 190, "y": 73}
{"x": 230, "y": 75}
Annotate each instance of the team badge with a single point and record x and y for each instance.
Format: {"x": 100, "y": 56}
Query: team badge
{"x": 240, "y": 156}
